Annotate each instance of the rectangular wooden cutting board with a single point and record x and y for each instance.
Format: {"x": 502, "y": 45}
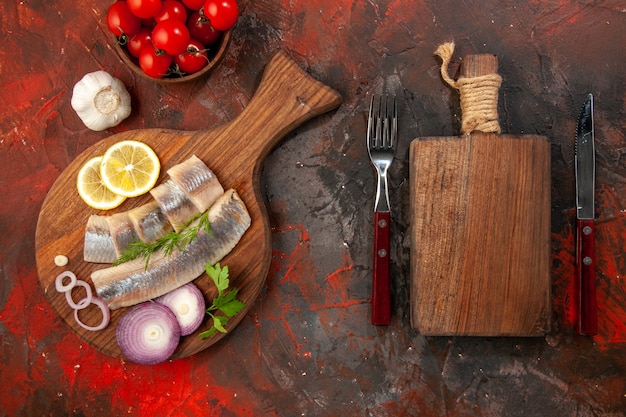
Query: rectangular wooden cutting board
{"x": 480, "y": 230}
{"x": 480, "y": 235}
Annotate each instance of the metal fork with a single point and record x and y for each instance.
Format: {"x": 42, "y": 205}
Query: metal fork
{"x": 382, "y": 131}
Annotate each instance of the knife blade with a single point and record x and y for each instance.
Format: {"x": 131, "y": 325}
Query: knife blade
{"x": 585, "y": 213}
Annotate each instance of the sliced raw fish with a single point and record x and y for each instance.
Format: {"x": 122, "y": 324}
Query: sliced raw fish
{"x": 99, "y": 246}
{"x": 175, "y": 203}
{"x": 134, "y": 282}
{"x": 122, "y": 231}
{"x": 149, "y": 222}
{"x": 197, "y": 181}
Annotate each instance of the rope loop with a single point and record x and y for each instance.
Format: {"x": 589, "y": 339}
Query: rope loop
{"x": 479, "y": 95}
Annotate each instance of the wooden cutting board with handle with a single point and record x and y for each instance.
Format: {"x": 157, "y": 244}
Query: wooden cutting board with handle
{"x": 480, "y": 229}
{"x": 286, "y": 97}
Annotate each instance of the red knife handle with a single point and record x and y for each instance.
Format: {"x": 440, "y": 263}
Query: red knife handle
{"x": 381, "y": 297}
{"x": 586, "y": 276}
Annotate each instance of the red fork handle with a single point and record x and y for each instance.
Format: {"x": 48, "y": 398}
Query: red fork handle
{"x": 586, "y": 278}
{"x": 381, "y": 297}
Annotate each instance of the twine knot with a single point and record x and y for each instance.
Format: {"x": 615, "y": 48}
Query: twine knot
{"x": 479, "y": 95}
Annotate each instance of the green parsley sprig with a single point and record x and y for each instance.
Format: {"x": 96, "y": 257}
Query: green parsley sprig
{"x": 226, "y": 302}
{"x": 167, "y": 243}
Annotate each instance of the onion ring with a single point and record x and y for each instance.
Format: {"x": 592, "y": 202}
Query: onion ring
{"x": 106, "y": 316}
{"x": 84, "y": 303}
{"x": 60, "y": 286}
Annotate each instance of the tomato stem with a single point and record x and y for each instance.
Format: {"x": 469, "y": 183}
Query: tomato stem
{"x": 122, "y": 39}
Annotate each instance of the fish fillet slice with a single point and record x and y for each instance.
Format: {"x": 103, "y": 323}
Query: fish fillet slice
{"x": 149, "y": 222}
{"x": 122, "y": 231}
{"x": 106, "y": 237}
{"x": 197, "y": 181}
{"x": 98, "y": 247}
{"x": 175, "y": 203}
{"x": 131, "y": 282}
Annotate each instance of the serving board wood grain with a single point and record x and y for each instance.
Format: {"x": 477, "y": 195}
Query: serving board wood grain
{"x": 480, "y": 235}
{"x": 286, "y": 97}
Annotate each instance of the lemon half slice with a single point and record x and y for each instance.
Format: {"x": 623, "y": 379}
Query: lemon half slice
{"x": 130, "y": 168}
{"x": 91, "y": 188}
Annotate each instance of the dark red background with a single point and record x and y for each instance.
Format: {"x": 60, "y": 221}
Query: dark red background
{"x": 306, "y": 347}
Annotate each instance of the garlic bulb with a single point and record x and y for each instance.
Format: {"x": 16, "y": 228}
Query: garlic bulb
{"x": 101, "y": 100}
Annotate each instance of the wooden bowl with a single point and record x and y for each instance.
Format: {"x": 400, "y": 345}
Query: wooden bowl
{"x": 215, "y": 56}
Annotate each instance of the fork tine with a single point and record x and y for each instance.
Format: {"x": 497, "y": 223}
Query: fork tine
{"x": 385, "y": 142}
{"x": 370, "y": 123}
{"x": 377, "y": 122}
{"x": 394, "y": 123}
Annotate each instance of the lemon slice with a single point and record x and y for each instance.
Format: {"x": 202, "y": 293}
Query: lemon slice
{"x": 91, "y": 188}
{"x": 130, "y": 168}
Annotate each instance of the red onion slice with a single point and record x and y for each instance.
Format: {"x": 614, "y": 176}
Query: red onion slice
{"x": 188, "y": 305}
{"x": 148, "y": 333}
{"x": 58, "y": 282}
{"x": 106, "y": 316}
{"x": 84, "y": 303}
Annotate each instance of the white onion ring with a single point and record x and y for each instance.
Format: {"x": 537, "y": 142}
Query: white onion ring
{"x": 84, "y": 303}
{"x": 106, "y": 315}
{"x": 60, "y": 286}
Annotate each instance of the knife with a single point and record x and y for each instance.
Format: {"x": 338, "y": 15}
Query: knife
{"x": 585, "y": 213}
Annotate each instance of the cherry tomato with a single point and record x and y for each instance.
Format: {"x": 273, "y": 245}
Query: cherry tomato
{"x": 200, "y": 29}
{"x": 223, "y": 14}
{"x": 138, "y": 41}
{"x": 172, "y": 36}
{"x": 193, "y": 59}
{"x": 144, "y": 8}
{"x": 172, "y": 9}
{"x": 194, "y": 4}
{"x": 121, "y": 21}
{"x": 154, "y": 63}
